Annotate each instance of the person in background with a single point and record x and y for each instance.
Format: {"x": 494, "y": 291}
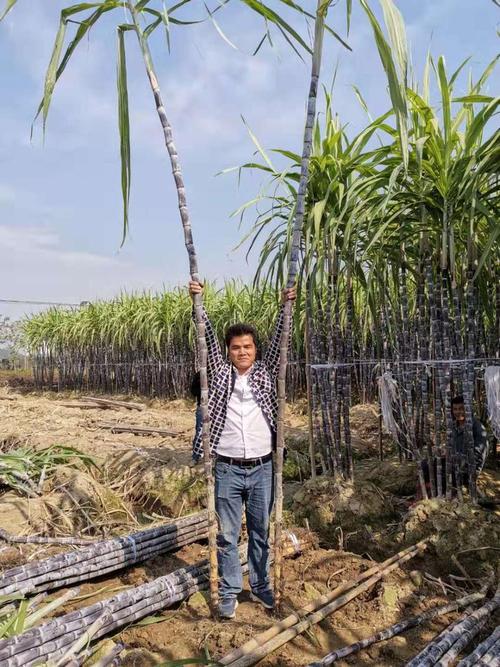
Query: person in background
{"x": 243, "y": 408}
{"x": 480, "y": 450}
{"x": 479, "y": 436}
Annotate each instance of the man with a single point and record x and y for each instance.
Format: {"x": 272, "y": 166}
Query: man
{"x": 478, "y": 433}
{"x": 243, "y": 408}
{"x": 459, "y": 451}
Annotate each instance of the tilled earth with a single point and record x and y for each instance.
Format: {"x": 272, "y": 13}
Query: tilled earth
{"x": 40, "y": 420}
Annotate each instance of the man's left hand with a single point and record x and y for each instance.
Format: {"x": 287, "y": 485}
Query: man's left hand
{"x": 289, "y": 294}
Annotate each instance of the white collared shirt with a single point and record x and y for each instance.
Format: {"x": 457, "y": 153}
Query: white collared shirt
{"x": 246, "y": 433}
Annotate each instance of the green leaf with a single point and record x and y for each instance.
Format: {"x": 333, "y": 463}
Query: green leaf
{"x": 273, "y": 17}
{"x": 257, "y": 144}
{"x": 397, "y": 86}
{"x": 124, "y": 127}
{"x": 219, "y": 29}
{"x": 473, "y": 99}
{"x": 8, "y": 7}
{"x": 51, "y": 75}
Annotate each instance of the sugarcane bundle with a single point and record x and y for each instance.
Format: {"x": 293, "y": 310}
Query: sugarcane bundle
{"x": 52, "y": 640}
{"x": 445, "y": 649}
{"x": 103, "y": 557}
{"x": 485, "y": 652}
{"x": 397, "y": 629}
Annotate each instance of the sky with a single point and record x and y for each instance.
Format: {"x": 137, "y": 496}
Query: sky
{"x": 60, "y": 198}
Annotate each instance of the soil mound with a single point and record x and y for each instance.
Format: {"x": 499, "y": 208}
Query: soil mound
{"x": 459, "y": 531}
{"x": 167, "y": 484}
{"x": 340, "y": 511}
{"x": 391, "y": 475}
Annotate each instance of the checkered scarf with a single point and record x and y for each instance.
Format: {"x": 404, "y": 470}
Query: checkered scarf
{"x": 221, "y": 378}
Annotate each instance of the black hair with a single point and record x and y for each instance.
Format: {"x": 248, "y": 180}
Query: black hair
{"x": 240, "y": 329}
{"x": 458, "y": 400}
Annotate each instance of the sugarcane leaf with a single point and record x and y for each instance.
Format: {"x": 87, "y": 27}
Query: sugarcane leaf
{"x": 124, "y": 128}
{"x": 219, "y": 29}
{"x": 8, "y": 7}
{"x": 348, "y": 14}
{"x": 258, "y": 145}
{"x": 397, "y": 87}
{"x": 488, "y": 247}
{"x": 273, "y": 17}
{"x": 51, "y": 75}
{"x": 83, "y": 28}
{"x": 152, "y": 620}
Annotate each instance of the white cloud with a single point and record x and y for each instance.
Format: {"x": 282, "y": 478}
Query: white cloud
{"x": 37, "y": 267}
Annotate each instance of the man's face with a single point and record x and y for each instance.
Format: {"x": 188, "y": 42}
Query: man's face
{"x": 458, "y": 412}
{"x": 242, "y": 352}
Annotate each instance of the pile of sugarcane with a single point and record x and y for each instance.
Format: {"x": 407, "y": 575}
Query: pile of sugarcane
{"x": 397, "y": 629}
{"x": 140, "y": 343}
{"x": 103, "y": 557}
{"x": 52, "y": 640}
{"x": 486, "y": 653}
{"x": 445, "y": 649}
{"x": 287, "y": 629}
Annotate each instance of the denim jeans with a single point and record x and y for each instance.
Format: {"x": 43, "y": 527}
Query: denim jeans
{"x": 253, "y": 487}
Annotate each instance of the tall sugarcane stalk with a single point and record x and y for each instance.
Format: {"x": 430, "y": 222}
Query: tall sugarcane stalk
{"x": 197, "y": 299}
{"x": 321, "y": 11}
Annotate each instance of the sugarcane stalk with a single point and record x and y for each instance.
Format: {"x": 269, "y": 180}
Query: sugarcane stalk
{"x": 285, "y": 635}
{"x": 289, "y": 621}
{"x": 91, "y": 572}
{"x": 104, "y": 547}
{"x": 322, "y": 8}
{"x": 87, "y": 636}
{"x": 481, "y": 651}
{"x": 50, "y": 640}
{"x": 397, "y": 629}
{"x": 307, "y": 349}
{"x": 197, "y": 300}
{"x": 103, "y": 554}
{"x": 458, "y": 634}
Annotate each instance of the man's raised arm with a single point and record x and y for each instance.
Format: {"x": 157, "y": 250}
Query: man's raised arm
{"x": 272, "y": 357}
{"x": 214, "y": 354}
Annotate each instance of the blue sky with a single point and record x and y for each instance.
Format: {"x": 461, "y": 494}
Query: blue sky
{"x": 60, "y": 201}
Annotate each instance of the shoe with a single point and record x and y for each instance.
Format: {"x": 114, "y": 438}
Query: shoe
{"x": 227, "y": 608}
{"x": 265, "y": 598}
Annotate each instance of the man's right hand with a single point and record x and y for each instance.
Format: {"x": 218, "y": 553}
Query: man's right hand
{"x": 195, "y": 288}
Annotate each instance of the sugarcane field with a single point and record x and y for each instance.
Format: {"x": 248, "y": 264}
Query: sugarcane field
{"x": 249, "y": 333}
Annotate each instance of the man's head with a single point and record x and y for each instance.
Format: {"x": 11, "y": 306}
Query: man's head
{"x": 241, "y": 343}
{"x": 458, "y": 409}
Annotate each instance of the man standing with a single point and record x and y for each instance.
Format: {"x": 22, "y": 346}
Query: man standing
{"x": 479, "y": 437}
{"x": 243, "y": 408}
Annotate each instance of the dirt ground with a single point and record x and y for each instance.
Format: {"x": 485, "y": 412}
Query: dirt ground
{"x": 39, "y": 420}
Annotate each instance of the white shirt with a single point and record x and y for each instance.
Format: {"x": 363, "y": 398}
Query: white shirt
{"x": 246, "y": 433}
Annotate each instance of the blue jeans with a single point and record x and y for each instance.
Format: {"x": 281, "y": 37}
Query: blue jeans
{"x": 254, "y": 487}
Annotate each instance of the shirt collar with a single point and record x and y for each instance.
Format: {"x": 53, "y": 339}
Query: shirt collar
{"x": 245, "y": 374}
